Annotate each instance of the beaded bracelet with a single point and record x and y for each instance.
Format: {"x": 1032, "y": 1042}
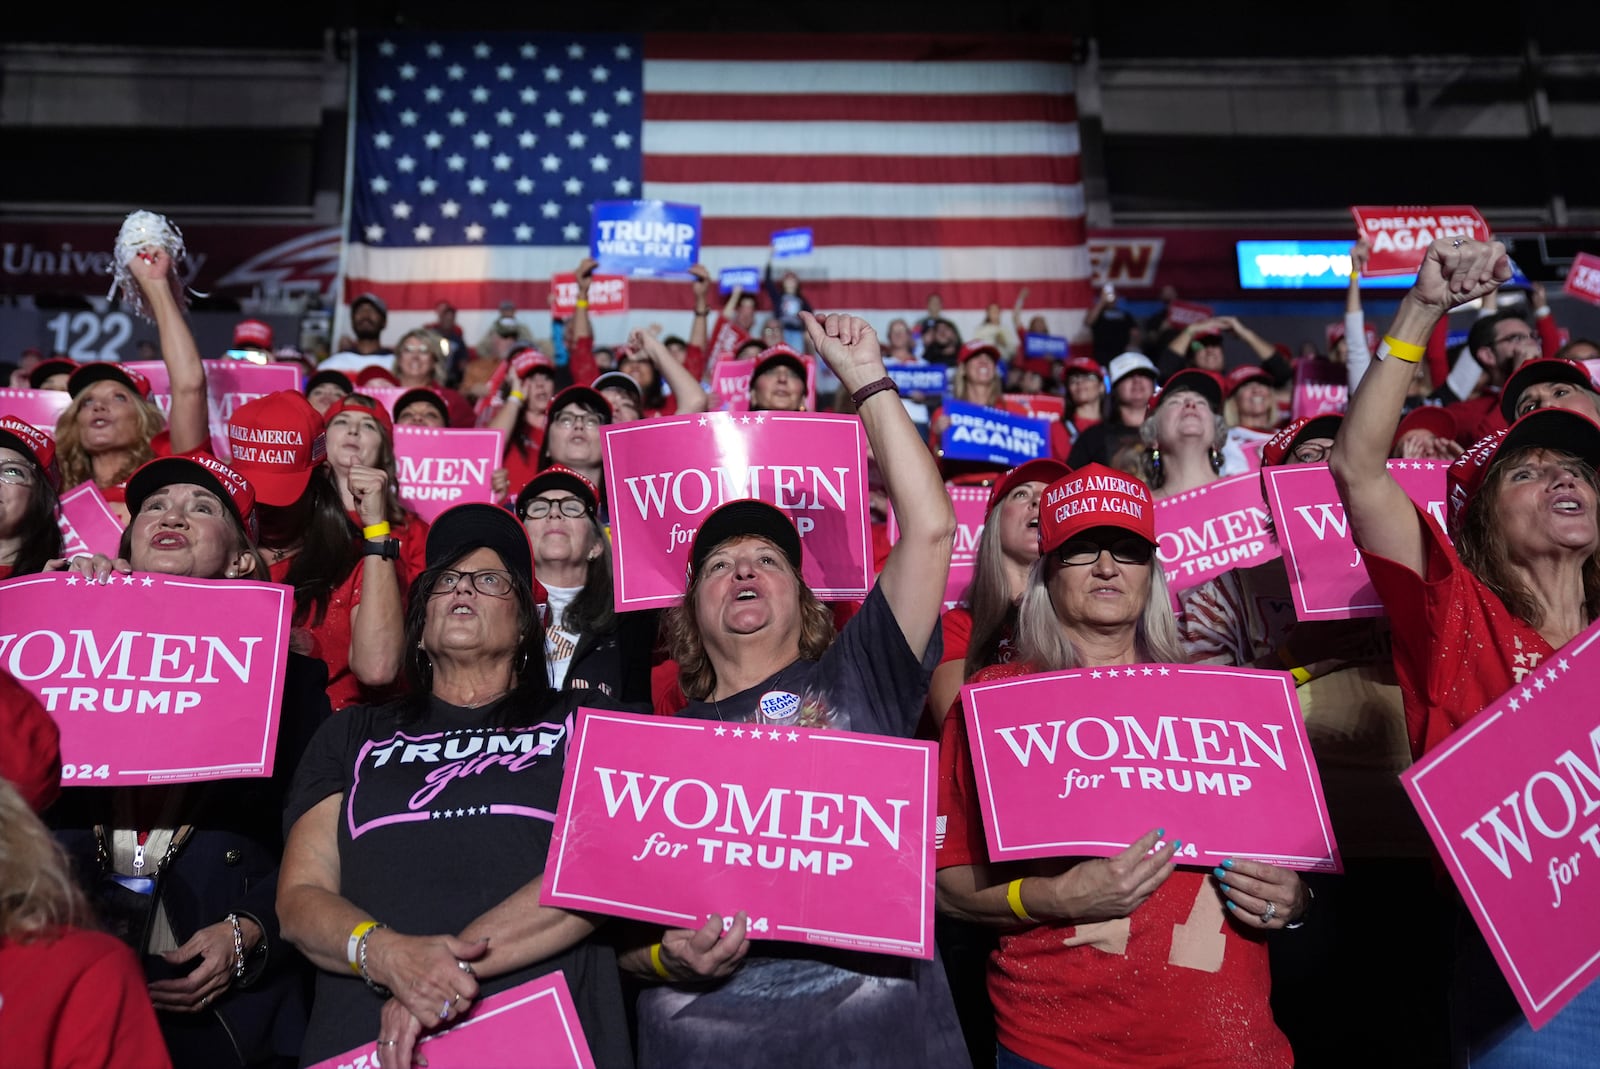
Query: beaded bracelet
{"x": 361, "y": 963}
{"x": 238, "y": 947}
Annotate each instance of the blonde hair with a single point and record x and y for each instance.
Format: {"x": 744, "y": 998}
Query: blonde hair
{"x": 958, "y": 387}
{"x": 1043, "y": 640}
{"x": 77, "y": 464}
{"x": 38, "y": 896}
{"x": 681, "y": 630}
{"x": 435, "y": 350}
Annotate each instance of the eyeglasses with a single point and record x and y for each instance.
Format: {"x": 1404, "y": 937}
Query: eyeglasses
{"x": 1520, "y": 336}
{"x": 540, "y": 507}
{"x": 1311, "y": 453}
{"x": 1123, "y": 551}
{"x": 494, "y": 584}
{"x": 16, "y": 474}
{"x": 587, "y": 420}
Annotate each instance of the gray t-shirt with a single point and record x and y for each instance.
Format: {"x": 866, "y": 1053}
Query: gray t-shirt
{"x": 803, "y": 1006}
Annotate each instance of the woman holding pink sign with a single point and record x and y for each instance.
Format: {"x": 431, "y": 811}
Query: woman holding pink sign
{"x": 362, "y": 462}
{"x": 1475, "y": 614}
{"x": 186, "y": 874}
{"x": 754, "y": 645}
{"x": 1124, "y": 960}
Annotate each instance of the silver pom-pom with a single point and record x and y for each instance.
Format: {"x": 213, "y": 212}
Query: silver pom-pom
{"x": 143, "y": 230}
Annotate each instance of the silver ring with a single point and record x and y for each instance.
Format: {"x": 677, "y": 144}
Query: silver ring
{"x": 386, "y": 1042}
{"x": 1270, "y": 912}
{"x": 444, "y": 1014}
{"x": 1457, "y": 243}
{"x": 465, "y": 967}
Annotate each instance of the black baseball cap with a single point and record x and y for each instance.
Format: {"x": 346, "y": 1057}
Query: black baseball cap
{"x": 738, "y": 519}
{"x": 463, "y": 528}
{"x": 558, "y": 477}
{"x": 427, "y": 395}
{"x": 336, "y": 377}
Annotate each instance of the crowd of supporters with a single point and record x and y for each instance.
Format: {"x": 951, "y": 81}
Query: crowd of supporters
{"x": 266, "y": 929}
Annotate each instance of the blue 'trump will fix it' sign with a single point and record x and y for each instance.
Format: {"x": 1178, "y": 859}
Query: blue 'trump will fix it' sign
{"x": 645, "y": 237}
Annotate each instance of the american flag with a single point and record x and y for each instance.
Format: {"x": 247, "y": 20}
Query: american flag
{"x": 922, "y": 164}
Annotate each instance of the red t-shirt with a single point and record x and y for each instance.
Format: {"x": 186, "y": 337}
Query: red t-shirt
{"x": 77, "y": 1001}
{"x": 1176, "y": 983}
{"x": 1442, "y": 621}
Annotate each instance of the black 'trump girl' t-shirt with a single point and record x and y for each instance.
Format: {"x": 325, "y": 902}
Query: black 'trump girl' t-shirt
{"x": 442, "y": 819}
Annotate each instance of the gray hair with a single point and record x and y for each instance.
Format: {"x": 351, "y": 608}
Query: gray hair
{"x": 1045, "y": 642}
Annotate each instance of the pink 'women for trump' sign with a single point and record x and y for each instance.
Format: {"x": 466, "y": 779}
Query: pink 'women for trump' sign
{"x": 39, "y": 407}
{"x": 971, "y": 508}
{"x": 1221, "y": 526}
{"x": 88, "y": 525}
{"x": 1327, "y": 577}
{"x": 1084, "y": 762}
{"x": 531, "y": 1024}
{"x": 229, "y": 384}
{"x": 664, "y": 476}
{"x": 151, "y": 679}
{"x": 439, "y": 467}
{"x": 1512, "y": 802}
{"x": 819, "y": 836}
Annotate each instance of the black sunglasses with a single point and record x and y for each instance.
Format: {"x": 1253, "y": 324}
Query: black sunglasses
{"x": 1123, "y": 551}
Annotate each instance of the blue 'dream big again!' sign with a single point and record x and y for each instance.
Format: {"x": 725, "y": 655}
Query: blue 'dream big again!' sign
{"x": 1044, "y": 345}
{"x": 645, "y": 237}
{"x": 746, "y": 278}
{"x": 796, "y": 242}
{"x": 919, "y": 378}
{"x": 979, "y": 433}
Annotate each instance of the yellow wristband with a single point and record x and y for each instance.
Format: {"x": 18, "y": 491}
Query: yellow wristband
{"x": 1301, "y": 676}
{"x": 518, "y": 396}
{"x": 580, "y": 303}
{"x": 655, "y": 962}
{"x": 1355, "y": 276}
{"x": 377, "y": 530}
{"x": 1401, "y": 350}
{"x": 355, "y": 942}
{"x": 1014, "y": 900}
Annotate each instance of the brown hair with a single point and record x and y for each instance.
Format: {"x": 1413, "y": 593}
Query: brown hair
{"x": 959, "y": 387}
{"x": 681, "y": 630}
{"x": 1481, "y": 543}
{"x": 394, "y": 509}
{"x": 435, "y": 349}
{"x": 77, "y": 466}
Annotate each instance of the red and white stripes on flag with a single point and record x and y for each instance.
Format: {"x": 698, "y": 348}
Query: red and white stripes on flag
{"x": 922, "y": 164}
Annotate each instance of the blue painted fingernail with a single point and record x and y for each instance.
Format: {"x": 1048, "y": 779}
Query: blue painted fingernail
{"x": 1219, "y": 874}
{"x": 1177, "y": 846}
{"x": 1227, "y": 863}
{"x": 1231, "y": 905}
{"x": 1161, "y": 833}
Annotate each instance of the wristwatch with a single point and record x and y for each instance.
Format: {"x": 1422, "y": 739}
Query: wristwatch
{"x": 387, "y": 548}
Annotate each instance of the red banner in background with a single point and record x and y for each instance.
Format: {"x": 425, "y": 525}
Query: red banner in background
{"x": 224, "y": 258}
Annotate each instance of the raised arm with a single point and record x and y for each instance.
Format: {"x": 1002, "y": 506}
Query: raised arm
{"x": 1356, "y": 356}
{"x": 580, "y": 326}
{"x": 189, "y": 421}
{"x": 914, "y": 576}
{"x": 699, "y": 330}
{"x": 685, "y": 387}
{"x": 1453, "y": 272}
